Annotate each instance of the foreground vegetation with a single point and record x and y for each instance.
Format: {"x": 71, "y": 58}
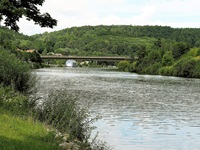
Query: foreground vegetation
{"x": 58, "y": 123}
{"x": 19, "y": 134}
{"x": 19, "y": 129}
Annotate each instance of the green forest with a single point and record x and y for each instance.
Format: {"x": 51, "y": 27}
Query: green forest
{"x": 154, "y": 49}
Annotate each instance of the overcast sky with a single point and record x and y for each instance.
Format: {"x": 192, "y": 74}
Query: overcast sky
{"x": 70, "y": 13}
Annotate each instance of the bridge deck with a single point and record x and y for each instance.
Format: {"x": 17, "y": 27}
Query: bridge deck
{"x": 96, "y": 58}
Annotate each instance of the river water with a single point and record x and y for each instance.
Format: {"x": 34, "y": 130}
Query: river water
{"x": 139, "y": 112}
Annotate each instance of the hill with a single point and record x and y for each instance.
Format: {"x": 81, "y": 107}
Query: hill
{"x": 112, "y": 40}
{"x": 153, "y": 49}
{"x": 10, "y": 39}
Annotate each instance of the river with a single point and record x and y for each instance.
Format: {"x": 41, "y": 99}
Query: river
{"x": 139, "y": 112}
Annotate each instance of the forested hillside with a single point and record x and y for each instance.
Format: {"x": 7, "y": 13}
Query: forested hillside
{"x": 10, "y": 39}
{"x": 153, "y": 49}
{"x": 111, "y": 40}
{"x": 17, "y": 44}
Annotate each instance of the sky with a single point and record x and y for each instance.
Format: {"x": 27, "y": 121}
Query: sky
{"x": 76, "y": 13}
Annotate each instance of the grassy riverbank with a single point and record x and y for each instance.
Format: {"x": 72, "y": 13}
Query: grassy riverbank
{"x": 60, "y": 124}
{"x": 18, "y": 133}
{"x": 19, "y": 129}
{"x": 24, "y": 123}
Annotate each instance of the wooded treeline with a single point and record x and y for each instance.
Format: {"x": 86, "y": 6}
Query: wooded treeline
{"x": 111, "y": 40}
{"x": 153, "y": 49}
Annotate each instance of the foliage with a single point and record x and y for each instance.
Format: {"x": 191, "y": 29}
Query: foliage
{"x": 14, "y": 10}
{"x": 62, "y": 111}
{"x": 187, "y": 67}
{"x": 18, "y": 128}
{"x": 132, "y": 67}
{"x": 15, "y": 73}
{"x": 153, "y": 69}
{"x": 148, "y": 46}
{"x": 180, "y": 49}
{"x": 123, "y": 65}
{"x": 60, "y": 63}
{"x": 115, "y": 40}
{"x": 167, "y": 59}
{"x": 11, "y": 40}
{"x": 166, "y": 71}
{"x": 13, "y": 101}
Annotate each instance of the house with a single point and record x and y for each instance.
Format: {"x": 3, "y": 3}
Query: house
{"x": 71, "y": 63}
{"x": 31, "y": 51}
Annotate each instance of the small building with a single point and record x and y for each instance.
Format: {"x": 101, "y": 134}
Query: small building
{"x": 71, "y": 63}
{"x": 31, "y": 51}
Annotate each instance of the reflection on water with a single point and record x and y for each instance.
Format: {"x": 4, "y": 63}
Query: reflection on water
{"x": 138, "y": 111}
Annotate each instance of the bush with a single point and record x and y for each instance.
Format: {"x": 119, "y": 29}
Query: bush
{"x": 14, "y": 72}
{"x": 167, "y": 59}
{"x": 196, "y": 70}
{"x": 62, "y": 111}
{"x": 198, "y": 52}
{"x": 123, "y": 65}
{"x": 166, "y": 71}
{"x": 13, "y": 101}
{"x": 187, "y": 67}
{"x": 132, "y": 67}
{"x": 153, "y": 69}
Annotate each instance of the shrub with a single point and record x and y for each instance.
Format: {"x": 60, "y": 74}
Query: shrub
{"x": 180, "y": 48}
{"x": 198, "y": 52}
{"x": 186, "y": 67}
{"x": 153, "y": 69}
{"x": 196, "y": 70}
{"x": 13, "y": 101}
{"x": 167, "y": 59}
{"x": 166, "y": 71}
{"x": 132, "y": 67}
{"x": 123, "y": 65}
{"x": 62, "y": 111}
{"x": 14, "y": 72}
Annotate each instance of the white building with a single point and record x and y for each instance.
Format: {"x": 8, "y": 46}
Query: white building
{"x": 70, "y": 63}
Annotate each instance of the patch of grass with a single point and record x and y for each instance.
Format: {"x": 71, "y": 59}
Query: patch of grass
{"x": 24, "y": 134}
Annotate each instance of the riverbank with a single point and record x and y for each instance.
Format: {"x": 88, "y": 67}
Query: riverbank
{"x": 19, "y": 129}
{"x": 24, "y": 133}
{"x": 18, "y": 102}
{"x": 187, "y": 65}
{"x": 60, "y": 124}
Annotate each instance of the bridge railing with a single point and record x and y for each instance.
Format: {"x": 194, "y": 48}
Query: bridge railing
{"x": 91, "y": 58}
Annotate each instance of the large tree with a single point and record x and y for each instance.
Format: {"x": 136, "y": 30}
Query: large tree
{"x": 12, "y": 10}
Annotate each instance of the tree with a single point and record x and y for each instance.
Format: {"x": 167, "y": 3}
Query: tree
{"x": 180, "y": 48}
{"x": 12, "y": 10}
{"x": 123, "y": 65}
{"x": 167, "y": 59}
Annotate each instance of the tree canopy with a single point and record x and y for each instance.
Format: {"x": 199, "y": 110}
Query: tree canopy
{"x": 12, "y": 10}
{"x": 153, "y": 49}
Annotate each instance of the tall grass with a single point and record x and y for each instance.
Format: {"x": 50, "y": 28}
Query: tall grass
{"x": 12, "y": 101}
{"x": 62, "y": 111}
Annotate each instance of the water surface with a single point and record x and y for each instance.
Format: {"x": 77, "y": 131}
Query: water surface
{"x": 138, "y": 111}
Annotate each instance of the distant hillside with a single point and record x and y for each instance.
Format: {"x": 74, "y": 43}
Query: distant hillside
{"x": 111, "y": 40}
{"x": 10, "y": 39}
{"x": 153, "y": 49}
